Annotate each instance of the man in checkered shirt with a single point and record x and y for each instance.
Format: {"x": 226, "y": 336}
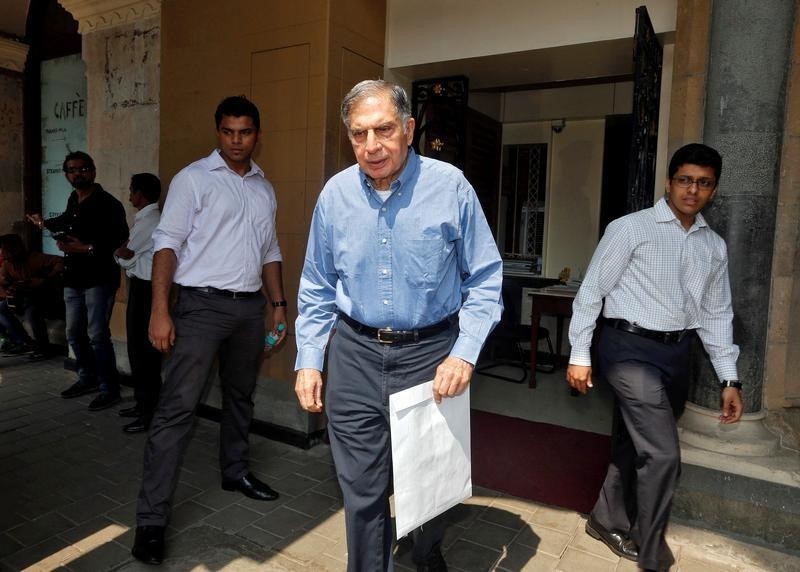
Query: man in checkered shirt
{"x": 663, "y": 275}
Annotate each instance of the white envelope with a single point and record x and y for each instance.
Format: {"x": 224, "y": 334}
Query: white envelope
{"x": 431, "y": 456}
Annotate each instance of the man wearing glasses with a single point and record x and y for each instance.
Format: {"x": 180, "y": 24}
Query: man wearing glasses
{"x": 88, "y": 233}
{"x": 663, "y": 274}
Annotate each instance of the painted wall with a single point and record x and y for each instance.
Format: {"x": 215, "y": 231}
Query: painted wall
{"x": 422, "y": 31}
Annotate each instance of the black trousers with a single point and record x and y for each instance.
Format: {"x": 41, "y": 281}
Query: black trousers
{"x": 206, "y": 326}
{"x": 362, "y": 373}
{"x": 145, "y": 360}
{"x": 650, "y": 380}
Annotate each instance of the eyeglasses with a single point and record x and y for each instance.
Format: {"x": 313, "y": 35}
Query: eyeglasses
{"x": 382, "y": 133}
{"x": 74, "y": 170}
{"x": 702, "y": 183}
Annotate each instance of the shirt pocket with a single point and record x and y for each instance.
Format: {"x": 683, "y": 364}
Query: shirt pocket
{"x": 423, "y": 260}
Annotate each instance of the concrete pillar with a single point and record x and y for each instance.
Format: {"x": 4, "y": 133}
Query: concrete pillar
{"x": 749, "y": 58}
{"x": 12, "y": 64}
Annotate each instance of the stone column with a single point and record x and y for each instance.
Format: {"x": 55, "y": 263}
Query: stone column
{"x": 121, "y": 45}
{"x": 12, "y": 64}
{"x": 749, "y": 57}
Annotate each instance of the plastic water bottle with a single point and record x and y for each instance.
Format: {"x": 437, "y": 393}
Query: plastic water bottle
{"x": 272, "y": 338}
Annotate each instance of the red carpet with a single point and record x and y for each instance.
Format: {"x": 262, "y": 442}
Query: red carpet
{"x": 537, "y": 461}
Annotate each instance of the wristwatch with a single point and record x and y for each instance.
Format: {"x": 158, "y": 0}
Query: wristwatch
{"x": 279, "y": 304}
{"x": 91, "y": 249}
{"x": 735, "y": 383}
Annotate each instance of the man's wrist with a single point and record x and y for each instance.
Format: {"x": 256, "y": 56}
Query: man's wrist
{"x": 734, "y": 383}
{"x": 279, "y": 303}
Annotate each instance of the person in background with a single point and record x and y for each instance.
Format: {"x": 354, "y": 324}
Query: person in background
{"x": 88, "y": 232}
{"x": 217, "y": 243}
{"x": 660, "y": 276}
{"x": 136, "y": 258}
{"x": 401, "y": 261}
{"x": 24, "y": 278}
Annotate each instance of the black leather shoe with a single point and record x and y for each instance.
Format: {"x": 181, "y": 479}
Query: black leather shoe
{"x": 251, "y": 487}
{"x": 132, "y": 412}
{"x": 137, "y": 426}
{"x": 79, "y": 388}
{"x": 104, "y": 401}
{"x": 618, "y": 542}
{"x": 148, "y": 545}
{"x": 433, "y": 563}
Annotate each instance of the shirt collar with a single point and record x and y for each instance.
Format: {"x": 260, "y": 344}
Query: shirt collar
{"x": 215, "y": 161}
{"x": 141, "y": 213}
{"x": 409, "y": 172}
{"x": 664, "y": 214}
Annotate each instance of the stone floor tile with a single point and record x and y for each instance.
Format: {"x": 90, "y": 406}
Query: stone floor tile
{"x": 330, "y": 488}
{"x": 283, "y": 521}
{"x": 557, "y": 518}
{"x": 93, "y": 533}
{"x": 188, "y": 514}
{"x": 331, "y": 526}
{"x": 312, "y": 503}
{"x": 691, "y": 565}
{"x": 88, "y": 508}
{"x": 515, "y": 518}
{"x": 39, "y": 529}
{"x": 260, "y": 536}
{"x": 263, "y": 507}
{"x": 327, "y": 563}
{"x": 469, "y": 557}
{"x": 464, "y": 514}
{"x": 625, "y": 565}
{"x": 104, "y": 557}
{"x": 578, "y": 561}
{"x": 304, "y": 547}
{"x": 232, "y": 518}
{"x": 32, "y": 555}
{"x": 216, "y": 498}
{"x": 583, "y": 541}
{"x": 124, "y": 514}
{"x": 489, "y": 535}
{"x": 319, "y": 470}
{"x": 293, "y": 484}
{"x": 8, "y": 545}
{"x": 543, "y": 539}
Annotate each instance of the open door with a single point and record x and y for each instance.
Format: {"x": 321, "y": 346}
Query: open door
{"x": 647, "y": 60}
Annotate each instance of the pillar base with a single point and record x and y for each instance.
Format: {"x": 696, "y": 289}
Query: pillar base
{"x": 700, "y": 427}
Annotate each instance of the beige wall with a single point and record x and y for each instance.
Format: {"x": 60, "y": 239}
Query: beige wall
{"x": 421, "y": 31}
{"x": 295, "y": 61}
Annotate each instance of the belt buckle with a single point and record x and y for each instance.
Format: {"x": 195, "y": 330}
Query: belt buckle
{"x": 388, "y": 331}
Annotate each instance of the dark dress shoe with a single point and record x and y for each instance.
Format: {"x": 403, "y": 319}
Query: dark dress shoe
{"x": 104, "y": 401}
{"x": 148, "y": 545}
{"x": 433, "y": 563}
{"x": 251, "y": 487}
{"x": 79, "y": 388}
{"x": 130, "y": 412}
{"x": 139, "y": 425}
{"x": 619, "y": 543}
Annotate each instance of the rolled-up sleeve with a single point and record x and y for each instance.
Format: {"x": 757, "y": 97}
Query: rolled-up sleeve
{"x": 177, "y": 216}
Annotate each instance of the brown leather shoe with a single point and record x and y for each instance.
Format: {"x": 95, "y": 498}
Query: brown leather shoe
{"x": 619, "y": 543}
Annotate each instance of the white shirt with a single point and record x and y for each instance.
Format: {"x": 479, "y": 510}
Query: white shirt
{"x": 141, "y": 243}
{"x": 657, "y": 275}
{"x": 220, "y": 225}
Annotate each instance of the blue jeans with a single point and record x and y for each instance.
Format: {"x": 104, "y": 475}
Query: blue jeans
{"x": 89, "y": 335}
{"x": 11, "y": 324}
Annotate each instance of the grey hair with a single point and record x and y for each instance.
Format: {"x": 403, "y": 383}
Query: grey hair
{"x": 377, "y": 87}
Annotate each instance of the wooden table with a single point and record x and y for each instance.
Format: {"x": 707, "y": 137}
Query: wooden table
{"x": 553, "y": 300}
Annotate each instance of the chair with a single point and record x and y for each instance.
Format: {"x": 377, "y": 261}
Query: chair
{"x": 510, "y": 334}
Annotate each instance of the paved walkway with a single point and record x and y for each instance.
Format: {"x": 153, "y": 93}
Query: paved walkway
{"x": 68, "y": 480}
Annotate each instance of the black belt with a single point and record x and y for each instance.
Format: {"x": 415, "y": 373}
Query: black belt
{"x": 664, "y": 337}
{"x": 390, "y": 336}
{"x": 219, "y": 292}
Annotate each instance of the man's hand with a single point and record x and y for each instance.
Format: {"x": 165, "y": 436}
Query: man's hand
{"x": 161, "y": 331}
{"x": 452, "y": 378}
{"x": 731, "y": 405}
{"x": 308, "y": 388}
{"x": 278, "y": 318}
{"x": 579, "y": 377}
{"x": 124, "y": 252}
{"x": 36, "y": 219}
{"x": 72, "y": 246}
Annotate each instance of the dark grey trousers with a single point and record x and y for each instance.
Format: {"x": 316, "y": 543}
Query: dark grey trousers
{"x": 362, "y": 373}
{"x": 145, "y": 360}
{"x": 650, "y": 382}
{"x": 206, "y": 325}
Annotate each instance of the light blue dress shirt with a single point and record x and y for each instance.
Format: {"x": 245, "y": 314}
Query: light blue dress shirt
{"x": 422, "y": 255}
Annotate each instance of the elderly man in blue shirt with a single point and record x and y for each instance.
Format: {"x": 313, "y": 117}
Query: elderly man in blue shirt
{"x": 401, "y": 262}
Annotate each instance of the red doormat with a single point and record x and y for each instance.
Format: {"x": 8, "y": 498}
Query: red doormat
{"x": 538, "y": 461}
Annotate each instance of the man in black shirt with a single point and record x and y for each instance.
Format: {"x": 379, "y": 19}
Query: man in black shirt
{"x": 88, "y": 233}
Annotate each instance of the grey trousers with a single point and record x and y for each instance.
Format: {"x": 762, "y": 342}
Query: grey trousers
{"x": 206, "y": 326}
{"x": 650, "y": 380}
{"x": 362, "y": 373}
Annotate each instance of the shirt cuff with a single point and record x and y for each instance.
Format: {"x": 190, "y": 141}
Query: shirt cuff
{"x": 310, "y": 358}
{"x": 467, "y": 349}
{"x": 580, "y": 357}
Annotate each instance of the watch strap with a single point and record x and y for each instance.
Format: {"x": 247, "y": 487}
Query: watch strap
{"x": 735, "y": 383}
{"x": 279, "y": 304}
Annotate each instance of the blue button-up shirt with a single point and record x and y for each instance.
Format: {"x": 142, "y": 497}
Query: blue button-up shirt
{"x": 409, "y": 262}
